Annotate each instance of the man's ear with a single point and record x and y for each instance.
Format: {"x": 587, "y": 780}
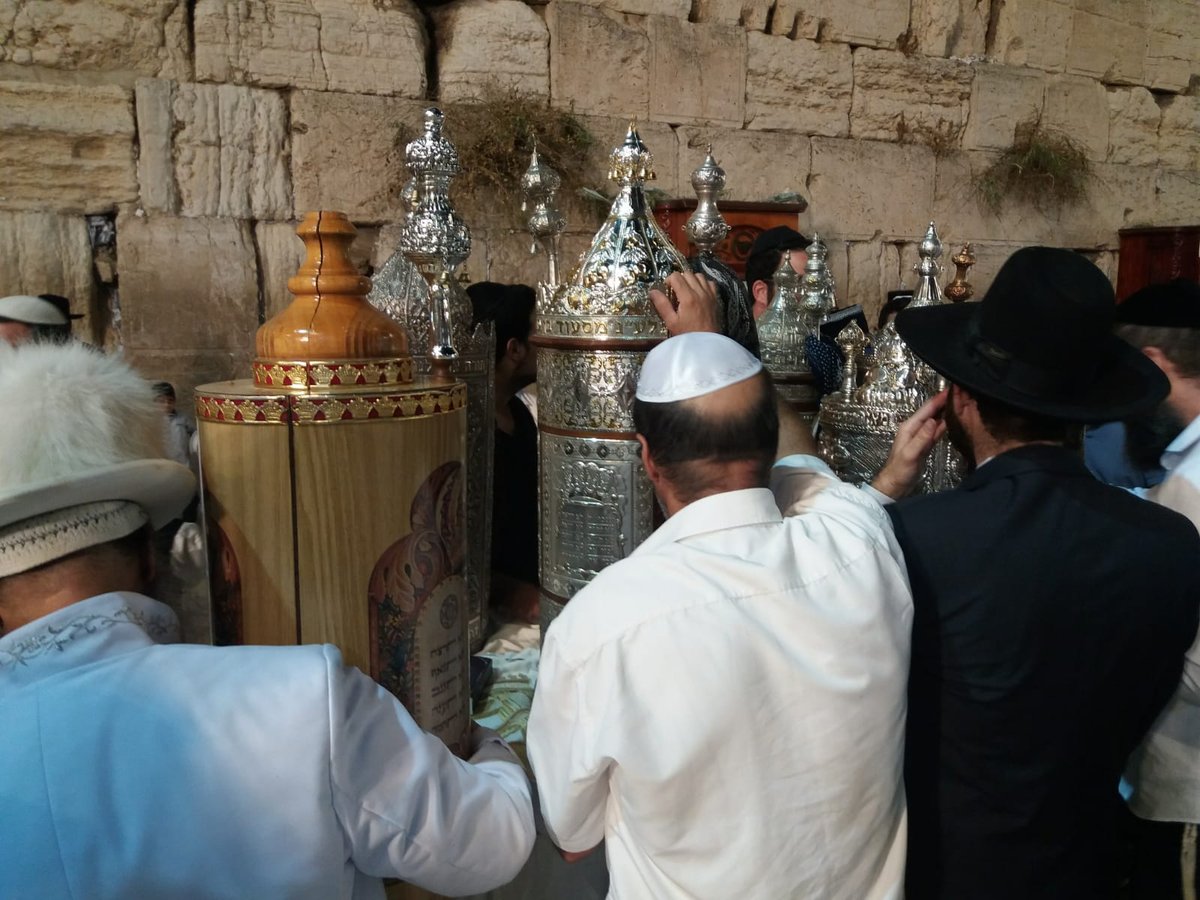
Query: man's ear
{"x": 762, "y": 297}
{"x": 652, "y": 471}
{"x": 1160, "y": 359}
{"x": 514, "y": 350}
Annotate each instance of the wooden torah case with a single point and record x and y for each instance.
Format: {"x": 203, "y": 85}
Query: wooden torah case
{"x": 334, "y": 493}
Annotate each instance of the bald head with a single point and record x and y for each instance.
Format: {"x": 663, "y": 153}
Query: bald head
{"x": 720, "y": 441}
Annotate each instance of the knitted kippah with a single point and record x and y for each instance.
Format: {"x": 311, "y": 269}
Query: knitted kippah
{"x": 692, "y": 365}
{"x": 36, "y": 541}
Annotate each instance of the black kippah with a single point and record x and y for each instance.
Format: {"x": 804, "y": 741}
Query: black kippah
{"x": 1175, "y": 304}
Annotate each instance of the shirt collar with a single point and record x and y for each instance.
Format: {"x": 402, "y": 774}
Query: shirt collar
{"x": 1183, "y": 444}
{"x": 716, "y": 512}
{"x": 101, "y": 626}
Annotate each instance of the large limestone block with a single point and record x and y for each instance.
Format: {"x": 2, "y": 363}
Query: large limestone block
{"x": 865, "y": 283}
{"x": 869, "y": 23}
{"x": 1177, "y": 197}
{"x": 362, "y": 46}
{"x": 1002, "y": 97}
{"x": 896, "y": 95}
{"x": 1133, "y": 126}
{"x": 147, "y": 37}
{"x": 798, "y": 85}
{"x": 758, "y": 164}
{"x": 750, "y": 14}
{"x": 950, "y": 27}
{"x": 344, "y": 153}
{"x": 1179, "y": 134}
{"x": 503, "y": 255}
{"x": 45, "y": 253}
{"x": 679, "y": 9}
{"x": 869, "y": 188}
{"x": 213, "y": 150}
{"x": 1078, "y": 107}
{"x": 185, "y": 369}
{"x": 1112, "y": 49}
{"x": 1173, "y": 44}
{"x": 187, "y": 284}
{"x": 1118, "y": 197}
{"x": 490, "y": 43}
{"x": 697, "y": 72}
{"x": 1033, "y": 33}
{"x": 65, "y": 147}
{"x": 598, "y": 63}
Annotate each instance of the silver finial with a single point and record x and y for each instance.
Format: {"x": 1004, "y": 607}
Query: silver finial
{"x": 539, "y": 191}
{"x": 705, "y": 227}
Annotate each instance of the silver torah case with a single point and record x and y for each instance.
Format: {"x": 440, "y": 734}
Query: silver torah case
{"x": 592, "y": 333}
{"x": 417, "y": 288}
{"x": 858, "y": 424}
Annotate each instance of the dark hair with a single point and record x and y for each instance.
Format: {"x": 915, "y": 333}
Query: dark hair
{"x": 164, "y": 389}
{"x": 1007, "y": 423}
{"x": 508, "y": 305}
{"x": 678, "y": 436}
{"x": 50, "y": 334}
{"x": 1180, "y": 345}
{"x": 761, "y": 267}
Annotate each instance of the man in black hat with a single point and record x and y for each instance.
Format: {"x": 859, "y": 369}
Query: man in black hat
{"x": 1163, "y": 776}
{"x": 1052, "y": 612}
{"x": 765, "y": 254}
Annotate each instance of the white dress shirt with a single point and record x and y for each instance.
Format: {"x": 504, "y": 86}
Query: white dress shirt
{"x": 1164, "y": 772}
{"x": 725, "y": 707}
{"x": 133, "y": 769}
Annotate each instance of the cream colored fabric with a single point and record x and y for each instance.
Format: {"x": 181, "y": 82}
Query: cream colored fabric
{"x": 42, "y": 539}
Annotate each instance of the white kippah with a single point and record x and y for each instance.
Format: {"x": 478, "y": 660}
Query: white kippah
{"x": 31, "y": 310}
{"x": 692, "y": 365}
{"x": 42, "y": 539}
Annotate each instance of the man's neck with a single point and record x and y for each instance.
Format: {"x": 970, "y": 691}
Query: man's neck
{"x": 990, "y": 449}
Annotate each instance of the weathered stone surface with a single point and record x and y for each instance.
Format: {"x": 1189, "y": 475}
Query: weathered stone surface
{"x": 870, "y": 23}
{"x": 147, "y": 37}
{"x": 1111, "y": 48}
{"x": 750, "y": 14}
{"x": 490, "y": 43}
{"x": 1133, "y": 126}
{"x": 1173, "y": 44}
{"x": 950, "y": 27}
{"x": 361, "y": 46}
{"x": 1033, "y": 33}
{"x": 503, "y": 255}
{"x": 1176, "y": 199}
{"x": 65, "y": 148}
{"x": 677, "y": 8}
{"x": 1179, "y": 133}
{"x": 187, "y": 284}
{"x": 344, "y": 154}
{"x": 898, "y": 97}
{"x": 798, "y": 85}
{"x": 45, "y": 253}
{"x": 1118, "y": 197}
{"x": 697, "y": 72}
{"x": 186, "y": 369}
{"x": 213, "y": 150}
{"x": 1002, "y": 97}
{"x": 869, "y": 188}
{"x": 864, "y": 278}
{"x": 599, "y": 64}
{"x": 758, "y": 164}
{"x": 1078, "y": 107}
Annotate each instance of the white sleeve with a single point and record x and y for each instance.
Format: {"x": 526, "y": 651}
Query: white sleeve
{"x": 409, "y": 808}
{"x": 572, "y": 784}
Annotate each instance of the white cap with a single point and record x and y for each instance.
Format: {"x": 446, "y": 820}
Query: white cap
{"x": 692, "y": 365}
{"x": 30, "y": 310}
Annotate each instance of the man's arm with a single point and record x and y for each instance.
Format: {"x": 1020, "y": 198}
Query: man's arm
{"x": 412, "y": 810}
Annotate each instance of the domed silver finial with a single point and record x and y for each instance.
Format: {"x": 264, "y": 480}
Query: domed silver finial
{"x": 928, "y": 268}
{"x": 539, "y": 191}
{"x": 706, "y": 227}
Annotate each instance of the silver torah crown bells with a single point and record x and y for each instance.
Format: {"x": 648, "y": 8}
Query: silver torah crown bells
{"x": 539, "y": 193}
{"x": 706, "y": 227}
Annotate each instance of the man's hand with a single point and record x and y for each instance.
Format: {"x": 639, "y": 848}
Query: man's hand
{"x": 690, "y": 304}
{"x": 914, "y": 440}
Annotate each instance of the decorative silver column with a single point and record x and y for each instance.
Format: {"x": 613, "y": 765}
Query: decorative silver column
{"x": 592, "y": 333}
{"x": 859, "y": 423}
{"x": 417, "y": 287}
{"x": 782, "y": 329}
{"x": 539, "y": 195}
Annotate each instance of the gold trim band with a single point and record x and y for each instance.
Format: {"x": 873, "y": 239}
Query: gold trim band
{"x": 307, "y": 409}
{"x": 332, "y": 374}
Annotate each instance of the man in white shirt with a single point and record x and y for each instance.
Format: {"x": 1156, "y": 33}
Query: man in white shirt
{"x": 1164, "y": 772}
{"x": 725, "y": 707}
{"x": 136, "y": 768}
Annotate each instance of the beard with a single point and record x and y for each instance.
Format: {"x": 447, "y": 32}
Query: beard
{"x": 957, "y": 434}
{"x": 1147, "y": 436}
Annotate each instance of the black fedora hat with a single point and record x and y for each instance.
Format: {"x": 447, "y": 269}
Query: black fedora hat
{"x": 1040, "y": 340}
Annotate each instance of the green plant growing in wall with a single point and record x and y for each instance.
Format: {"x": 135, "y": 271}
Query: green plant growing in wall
{"x": 1043, "y": 167}
{"x": 494, "y": 136}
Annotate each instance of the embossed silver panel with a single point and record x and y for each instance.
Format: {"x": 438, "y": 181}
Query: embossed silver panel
{"x": 588, "y": 391}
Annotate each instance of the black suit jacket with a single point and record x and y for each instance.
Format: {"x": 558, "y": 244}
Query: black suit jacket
{"x": 1051, "y": 617}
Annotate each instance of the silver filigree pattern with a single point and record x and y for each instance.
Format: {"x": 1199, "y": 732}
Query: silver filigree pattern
{"x": 539, "y": 195}
{"x": 588, "y": 391}
{"x": 706, "y": 227}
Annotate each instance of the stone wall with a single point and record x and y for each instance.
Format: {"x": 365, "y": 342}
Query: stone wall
{"x": 203, "y": 129}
